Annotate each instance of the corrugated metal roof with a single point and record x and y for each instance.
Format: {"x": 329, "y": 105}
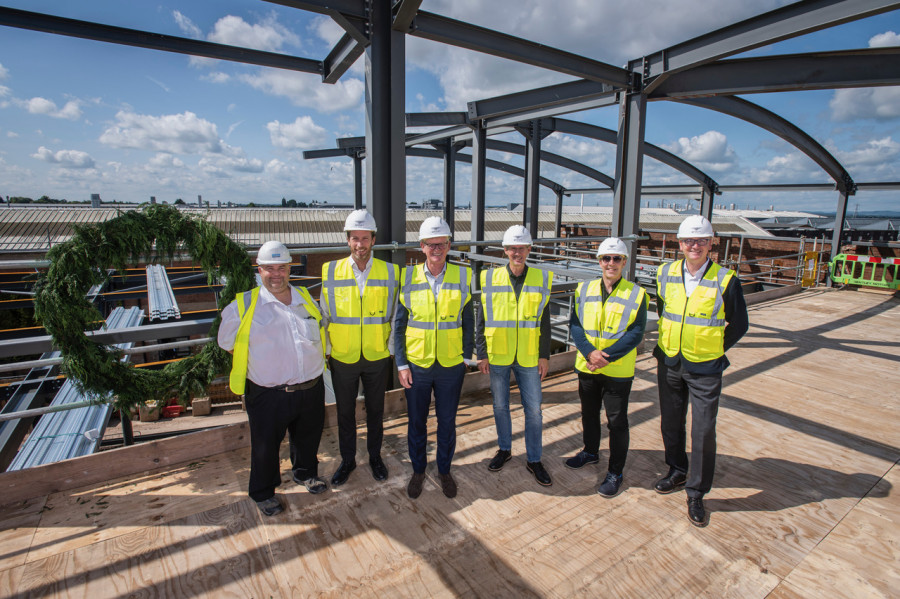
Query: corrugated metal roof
{"x": 37, "y": 228}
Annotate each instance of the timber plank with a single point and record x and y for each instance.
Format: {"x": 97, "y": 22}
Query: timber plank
{"x": 18, "y": 524}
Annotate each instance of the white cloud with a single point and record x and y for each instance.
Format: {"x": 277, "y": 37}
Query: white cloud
{"x": 217, "y": 77}
{"x": 37, "y": 105}
{"x": 4, "y": 72}
{"x": 222, "y": 166}
{"x": 186, "y": 25}
{"x": 4, "y": 91}
{"x": 65, "y": 158}
{"x": 268, "y": 35}
{"x": 879, "y": 103}
{"x": 871, "y": 153}
{"x": 302, "y": 134}
{"x": 165, "y": 161}
{"x": 306, "y": 90}
{"x": 588, "y": 151}
{"x": 885, "y": 40}
{"x": 12, "y": 134}
{"x": 708, "y": 151}
{"x": 183, "y": 133}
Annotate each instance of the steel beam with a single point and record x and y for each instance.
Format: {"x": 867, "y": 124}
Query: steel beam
{"x": 559, "y": 210}
{"x": 341, "y": 58}
{"x": 533, "y": 139}
{"x": 771, "y": 122}
{"x": 629, "y": 170}
{"x": 783, "y": 23}
{"x": 404, "y": 13}
{"x": 840, "y": 216}
{"x": 706, "y": 204}
{"x": 824, "y": 70}
{"x": 465, "y": 35}
{"x": 328, "y": 153}
{"x": 356, "y": 8}
{"x": 154, "y": 41}
{"x": 357, "y": 182}
{"x": 450, "y": 151}
{"x": 553, "y": 96}
{"x": 568, "y": 163}
{"x": 479, "y": 160}
{"x": 351, "y": 143}
{"x": 438, "y": 136}
{"x": 385, "y": 129}
{"x": 436, "y": 119}
{"x": 489, "y": 163}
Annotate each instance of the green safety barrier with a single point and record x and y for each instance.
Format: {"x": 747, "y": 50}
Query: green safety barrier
{"x": 870, "y": 271}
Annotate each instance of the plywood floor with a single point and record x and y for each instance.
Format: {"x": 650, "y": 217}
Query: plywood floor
{"x": 804, "y": 503}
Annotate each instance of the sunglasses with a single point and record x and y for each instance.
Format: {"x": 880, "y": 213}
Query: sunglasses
{"x": 607, "y": 259}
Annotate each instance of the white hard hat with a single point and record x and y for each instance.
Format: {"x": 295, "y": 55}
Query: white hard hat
{"x": 360, "y": 220}
{"x": 695, "y": 226}
{"x": 612, "y": 245}
{"x": 434, "y": 226}
{"x": 517, "y": 235}
{"x": 273, "y": 252}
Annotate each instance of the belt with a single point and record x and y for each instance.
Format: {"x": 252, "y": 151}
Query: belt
{"x": 298, "y": 387}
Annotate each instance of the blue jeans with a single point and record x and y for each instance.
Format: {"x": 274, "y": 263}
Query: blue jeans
{"x": 446, "y": 384}
{"x": 529, "y": 381}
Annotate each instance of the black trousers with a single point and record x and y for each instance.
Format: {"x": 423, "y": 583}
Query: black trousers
{"x": 345, "y": 380}
{"x": 595, "y": 390}
{"x": 271, "y": 413}
{"x": 677, "y": 390}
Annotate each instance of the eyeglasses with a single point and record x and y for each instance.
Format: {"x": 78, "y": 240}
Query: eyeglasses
{"x": 607, "y": 259}
{"x": 435, "y": 246}
{"x": 702, "y": 241}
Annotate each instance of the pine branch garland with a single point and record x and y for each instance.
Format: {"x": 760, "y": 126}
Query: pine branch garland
{"x": 157, "y": 232}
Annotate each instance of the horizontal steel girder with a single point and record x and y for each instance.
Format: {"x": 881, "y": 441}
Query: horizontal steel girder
{"x": 824, "y": 70}
{"x": 559, "y": 99}
{"x": 465, "y": 35}
{"x": 154, "y": 41}
{"x": 356, "y": 8}
{"x": 490, "y": 163}
{"x": 783, "y": 23}
{"x": 771, "y": 122}
{"x": 341, "y": 58}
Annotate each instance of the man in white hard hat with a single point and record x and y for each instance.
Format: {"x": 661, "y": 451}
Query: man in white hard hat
{"x": 702, "y": 314}
{"x": 274, "y": 333}
{"x": 513, "y": 335}
{"x": 607, "y": 326}
{"x": 358, "y": 298}
{"x": 434, "y": 330}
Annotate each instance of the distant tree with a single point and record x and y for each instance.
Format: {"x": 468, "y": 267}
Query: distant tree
{"x": 302, "y": 205}
{"x": 20, "y": 200}
{"x": 284, "y": 203}
{"x": 292, "y": 204}
{"x": 179, "y": 202}
{"x": 251, "y": 205}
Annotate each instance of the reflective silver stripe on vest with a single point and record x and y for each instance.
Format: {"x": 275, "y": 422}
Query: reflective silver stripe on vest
{"x": 248, "y": 297}
{"x": 488, "y": 300}
{"x": 717, "y": 306}
{"x": 631, "y": 304}
{"x": 671, "y": 316}
{"x": 408, "y": 289}
{"x": 418, "y": 324}
{"x": 329, "y": 286}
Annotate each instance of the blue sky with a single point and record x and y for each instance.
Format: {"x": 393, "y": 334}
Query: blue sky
{"x": 80, "y": 117}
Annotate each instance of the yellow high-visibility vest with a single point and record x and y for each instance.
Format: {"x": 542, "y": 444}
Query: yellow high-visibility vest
{"x": 434, "y": 330}
{"x": 606, "y": 323}
{"x": 512, "y": 327}
{"x": 237, "y": 381}
{"x": 694, "y": 326}
{"x": 359, "y": 326}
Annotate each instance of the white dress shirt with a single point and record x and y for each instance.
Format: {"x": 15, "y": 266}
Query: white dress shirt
{"x": 691, "y": 281}
{"x": 285, "y": 345}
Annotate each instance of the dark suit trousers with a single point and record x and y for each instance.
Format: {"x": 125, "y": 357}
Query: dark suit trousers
{"x": 272, "y": 413}
{"x": 345, "y": 379}
{"x": 677, "y": 390}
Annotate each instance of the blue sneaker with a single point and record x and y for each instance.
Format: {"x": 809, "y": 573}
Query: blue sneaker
{"x": 581, "y": 459}
{"x": 610, "y": 486}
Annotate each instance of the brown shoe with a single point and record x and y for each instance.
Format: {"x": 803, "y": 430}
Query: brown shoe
{"x": 414, "y": 488}
{"x": 448, "y": 485}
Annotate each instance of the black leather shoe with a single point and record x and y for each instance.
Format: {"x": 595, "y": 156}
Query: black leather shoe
{"x": 342, "y": 473}
{"x": 670, "y": 482}
{"x": 270, "y": 506}
{"x": 540, "y": 475}
{"x": 696, "y": 512}
{"x": 498, "y": 460}
{"x": 379, "y": 470}
{"x": 448, "y": 485}
{"x": 414, "y": 488}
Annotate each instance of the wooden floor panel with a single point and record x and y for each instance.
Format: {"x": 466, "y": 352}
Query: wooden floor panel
{"x": 804, "y": 503}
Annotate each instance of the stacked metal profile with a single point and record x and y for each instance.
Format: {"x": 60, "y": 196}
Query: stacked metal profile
{"x": 73, "y": 433}
{"x": 159, "y": 293}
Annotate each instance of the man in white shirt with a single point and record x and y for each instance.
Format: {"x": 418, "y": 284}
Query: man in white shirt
{"x": 274, "y": 335}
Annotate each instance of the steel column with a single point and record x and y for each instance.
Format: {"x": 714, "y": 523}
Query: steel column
{"x": 385, "y": 129}
{"x": 840, "y": 216}
{"x": 532, "y": 175}
{"x": 629, "y": 170}
{"x": 706, "y": 203}
{"x": 557, "y": 230}
{"x": 450, "y": 151}
{"x": 479, "y": 159}
{"x": 357, "y": 182}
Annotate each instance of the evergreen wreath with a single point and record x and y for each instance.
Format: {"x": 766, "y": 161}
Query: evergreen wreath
{"x": 155, "y": 232}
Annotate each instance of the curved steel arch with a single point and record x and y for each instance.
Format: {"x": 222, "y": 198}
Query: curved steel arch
{"x": 494, "y": 164}
{"x": 655, "y": 152}
{"x": 771, "y": 122}
{"x": 572, "y": 165}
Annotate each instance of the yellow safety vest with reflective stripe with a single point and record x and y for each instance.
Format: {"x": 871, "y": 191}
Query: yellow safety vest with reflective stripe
{"x": 606, "y": 323}
{"x": 512, "y": 327}
{"x": 694, "y": 326}
{"x": 237, "y": 382}
{"x": 359, "y": 325}
{"x": 434, "y": 329}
